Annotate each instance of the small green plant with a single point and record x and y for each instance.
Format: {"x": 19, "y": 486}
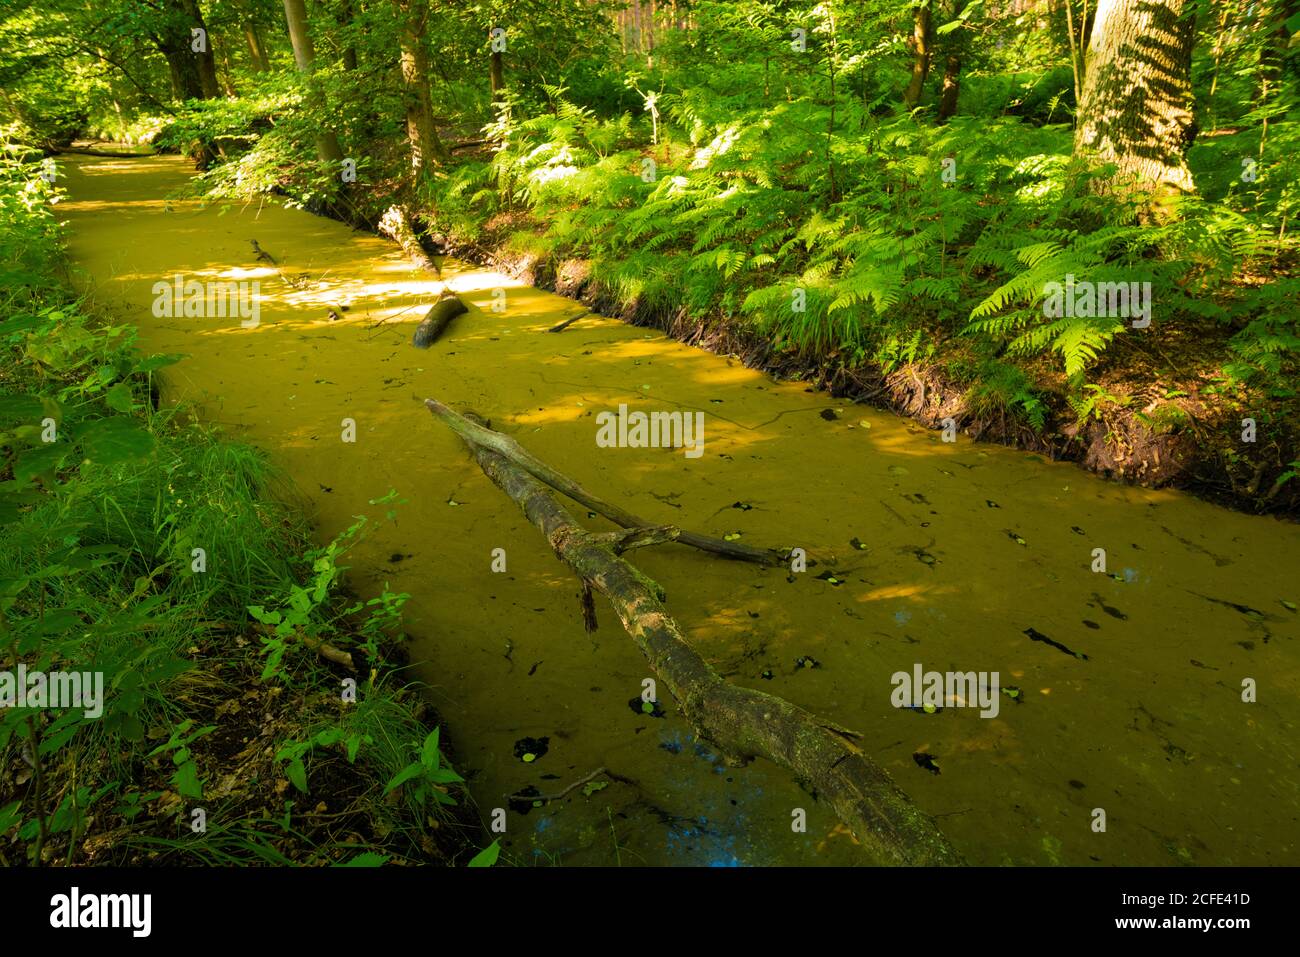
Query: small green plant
{"x": 295, "y": 752}
{"x": 186, "y": 776}
{"x": 307, "y": 611}
{"x": 1093, "y": 402}
{"x": 426, "y": 776}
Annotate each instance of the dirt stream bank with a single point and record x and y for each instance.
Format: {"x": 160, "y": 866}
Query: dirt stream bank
{"x": 1202, "y": 455}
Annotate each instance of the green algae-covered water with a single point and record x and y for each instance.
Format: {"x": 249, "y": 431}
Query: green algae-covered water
{"x": 1120, "y": 692}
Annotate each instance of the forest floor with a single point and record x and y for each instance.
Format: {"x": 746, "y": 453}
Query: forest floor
{"x": 252, "y": 812}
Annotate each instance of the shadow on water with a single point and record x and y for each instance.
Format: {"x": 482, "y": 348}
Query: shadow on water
{"x": 1119, "y": 691}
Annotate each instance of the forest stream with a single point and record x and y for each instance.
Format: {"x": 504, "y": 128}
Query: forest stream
{"x": 1120, "y": 691}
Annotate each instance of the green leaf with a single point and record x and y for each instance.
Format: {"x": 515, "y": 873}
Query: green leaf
{"x": 329, "y": 737}
{"x": 9, "y": 815}
{"x": 21, "y": 408}
{"x": 130, "y": 728}
{"x": 430, "y": 757}
{"x": 445, "y": 776}
{"x": 354, "y": 745}
{"x": 119, "y": 398}
{"x": 156, "y": 362}
{"x": 44, "y": 462}
{"x": 296, "y": 772}
{"x": 187, "y": 783}
{"x": 488, "y": 856}
{"x": 115, "y": 440}
{"x": 401, "y": 777}
{"x": 264, "y": 616}
{"x": 366, "y": 859}
{"x": 20, "y": 323}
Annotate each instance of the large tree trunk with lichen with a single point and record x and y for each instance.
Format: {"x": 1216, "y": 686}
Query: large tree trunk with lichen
{"x": 426, "y": 147}
{"x": 741, "y": 722}
{"x": 1136, "y": 111}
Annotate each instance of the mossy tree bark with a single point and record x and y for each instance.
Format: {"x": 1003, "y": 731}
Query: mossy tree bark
{"x": 1136, "y": 110}
{"x": 426, "y": 147}
{"x": 741, "y": 722}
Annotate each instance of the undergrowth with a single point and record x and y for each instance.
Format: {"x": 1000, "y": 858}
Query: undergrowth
{"x": 141, "y": 546}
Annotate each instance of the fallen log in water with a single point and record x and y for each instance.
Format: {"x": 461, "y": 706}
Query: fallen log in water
{"x": 397, "y": 224}
{"x": 561, "y": 326}
{"x": 476, "y": 434}
{"x": 741, "y": 722}
{"x": 87, "y": 151}
{"x": 437, "y": 319}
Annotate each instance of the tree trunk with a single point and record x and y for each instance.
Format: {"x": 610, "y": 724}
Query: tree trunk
{"x": 743, "y": 723}
{"x": 1136, "y": 111}
{"x": 951, "y": 87}
{"x": 227, "y": 78}
{"x": 920, "y": 54}
{"x": 651, "y": 14}
{"x": 183, "y": 64}
{"x": 955, "y": 42}
{"x": 173, "y": 42}
{"x": 426, "y": 147}
{"x": 349, "y": 50}
{"x": 304, "y": 56}
{"x": 207, "y": 61}
{"x": 256, "y": 50}
{"x": 1272, "y": 52}
{"x": 496, "y": 73}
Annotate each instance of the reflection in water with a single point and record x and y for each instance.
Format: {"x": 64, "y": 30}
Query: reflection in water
{"x": 962, "y": 557}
